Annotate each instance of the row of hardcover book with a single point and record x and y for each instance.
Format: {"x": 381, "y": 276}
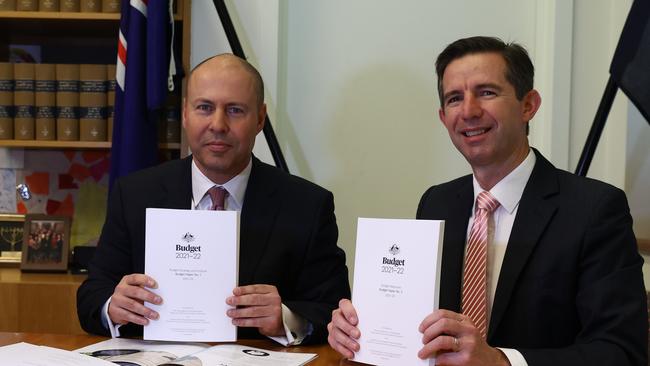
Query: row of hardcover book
{"x": 66, "y": 102}
{"x": 85, "y": 6}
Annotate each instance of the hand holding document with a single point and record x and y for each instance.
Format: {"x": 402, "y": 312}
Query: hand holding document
{"x": 396, "y": 284}
{"x": 193, "y": 256}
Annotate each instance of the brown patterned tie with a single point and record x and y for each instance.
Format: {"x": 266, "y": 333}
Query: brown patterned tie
{"x": 218, "y": 196}
{"x": 475, "y": 273}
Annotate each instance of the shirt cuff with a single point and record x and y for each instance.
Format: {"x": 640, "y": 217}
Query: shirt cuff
{"x": 295, "y": 328}
{"x": 106, "y": 321}
{"x": 514, "y": 357}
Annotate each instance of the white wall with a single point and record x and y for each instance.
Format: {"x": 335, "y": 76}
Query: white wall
{"x": 351, "y": 89}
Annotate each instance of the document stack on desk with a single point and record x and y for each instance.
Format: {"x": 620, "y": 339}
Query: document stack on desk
{"x": 396, "y": 280}
{"x": 193, "y": 256}
{"x": 148, "y": 353}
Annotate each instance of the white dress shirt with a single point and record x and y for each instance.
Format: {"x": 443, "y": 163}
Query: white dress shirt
{"x": 508, "y": 192}
{"x": 296, "y": 328}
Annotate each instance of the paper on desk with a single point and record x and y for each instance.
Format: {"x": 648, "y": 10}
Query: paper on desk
{"x": 193, "y": 255}
{"x": 145, "y": 353}
{"x": 396, "y": 279}
{"x": 25, "y": 354}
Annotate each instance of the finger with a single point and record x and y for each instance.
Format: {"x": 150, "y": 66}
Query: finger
{"x": 254, "y": 289}
{"x": 124, "y": 310}
{"x": 438, "y": 345}
{"x": 437, "y": 315}
{"x": 348, "y": 311}
{"x": 254, "y": 312}
{"x": 137, "y": 293}
{"x": 139, "y": 279}
{"x": 341, "y": 323}
{"x": 444, "y": 326}
{"x": 133, "y": 306}
{"x": 261, "y": 322}
{"x": 254, "y": 300}
{"x": 341, "y": 342}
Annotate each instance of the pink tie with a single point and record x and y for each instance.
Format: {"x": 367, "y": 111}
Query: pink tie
{"x": 475, "y": 273}
{"x": 218, "y": 196}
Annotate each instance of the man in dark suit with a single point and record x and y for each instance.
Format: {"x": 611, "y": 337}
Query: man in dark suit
{"x": 292, "y": 274}
{"x": 562, "y": 279}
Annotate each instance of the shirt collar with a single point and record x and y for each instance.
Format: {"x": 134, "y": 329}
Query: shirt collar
{"x": 510, "y": 189}
{"x": 236, "y": 186}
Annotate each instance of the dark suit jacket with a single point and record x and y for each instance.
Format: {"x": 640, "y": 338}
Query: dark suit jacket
{"x": 288, "y": 237}
{"x": 570, "y": 291}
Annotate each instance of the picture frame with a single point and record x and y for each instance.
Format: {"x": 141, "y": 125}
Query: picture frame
{"x": 46, "y": 243}
{"x": 11, "y": 239}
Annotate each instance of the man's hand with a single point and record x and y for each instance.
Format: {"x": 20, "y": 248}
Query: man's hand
{"x": 126, "y": 304}
{"x": 258, "y": 306}
{"x": 343, "y": 331}
{"x": 454, "y": 340}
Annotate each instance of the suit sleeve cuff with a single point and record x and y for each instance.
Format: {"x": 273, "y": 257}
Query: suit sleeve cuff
{"x": 514, "y": 357}
{"x": 295, "y": 328}
{"x": 106, "y": 321}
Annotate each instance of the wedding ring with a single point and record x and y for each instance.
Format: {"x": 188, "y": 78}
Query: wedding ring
{"x": 456, "y": 344}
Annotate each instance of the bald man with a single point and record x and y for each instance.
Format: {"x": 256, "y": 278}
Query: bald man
{"x": 292, "y": 273}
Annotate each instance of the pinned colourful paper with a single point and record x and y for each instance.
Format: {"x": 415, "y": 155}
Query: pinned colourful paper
{"x": 100, "y": 169}
{"x": 66, "y": 208}
{"x": 20, "y": 208}
{"x": 90, "y": 212}
{"x": 66, "y": 181}
{"x": 79, "y": 172}
{"x": 52, "y": 206}
{"x": 38, "y": 183}
{"x": 92, "y": 156}
{"x": 69, "y": 154}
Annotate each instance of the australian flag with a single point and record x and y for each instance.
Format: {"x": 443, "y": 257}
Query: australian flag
{"x": 631, "y": 63}
{"x": 142, "y": 74}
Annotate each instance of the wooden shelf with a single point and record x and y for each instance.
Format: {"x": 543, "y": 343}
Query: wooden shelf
{"x": 56, "y": 15}
{"x": 40, "y": 144}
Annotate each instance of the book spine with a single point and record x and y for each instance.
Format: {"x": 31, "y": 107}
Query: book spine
{"x": 69, "y": 5}
{"x": 45, "y": 98}
{"x": 111, "y": 6}
{"x": 6, "y": 101}
{"x": 48, "y": 5}
{"x": 27, "y": 5}
{"x": 110, "y": 102}
{"x": 24, "y": 101}
{"x": 92, "y": 103}
{"x": 7, "y": 5}
{"x": 90, "y": 6}
{"x": 67, "y": 102}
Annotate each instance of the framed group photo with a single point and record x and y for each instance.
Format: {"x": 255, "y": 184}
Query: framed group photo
{"x": 11, "y": 238}
{"x": 46, "y": 243}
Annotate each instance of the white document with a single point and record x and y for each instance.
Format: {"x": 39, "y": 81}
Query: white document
{"x": 25, "y": 354}
{"x": 193, "y": 255}
{"x": 151, "y": 353}
{"x": 396, "y": 285}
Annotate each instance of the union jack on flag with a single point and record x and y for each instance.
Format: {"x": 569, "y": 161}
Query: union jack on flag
{"x": 143, "y": 65}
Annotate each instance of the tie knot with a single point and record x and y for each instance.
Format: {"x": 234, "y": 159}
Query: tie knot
{"x": 485, "y": 201}
{"x": 218, "y": 196}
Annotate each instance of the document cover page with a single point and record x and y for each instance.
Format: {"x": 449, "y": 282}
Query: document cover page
{"x": 396, "y": 285}
{"x": 193, "y": 255}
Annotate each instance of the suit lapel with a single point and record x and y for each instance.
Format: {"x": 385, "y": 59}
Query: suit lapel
{"x": 261, "y": 204}
{"x": 177, "y": 193}
{"x": 454, "y": 246}
{"x": 533, "y": 215}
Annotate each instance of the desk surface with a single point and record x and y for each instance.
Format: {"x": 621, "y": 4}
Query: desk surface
{"x": 326, "y": 355}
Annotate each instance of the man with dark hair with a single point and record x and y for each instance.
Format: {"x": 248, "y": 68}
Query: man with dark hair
{"x": 539, "y": 266}
{"x": 291, "y": 272}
